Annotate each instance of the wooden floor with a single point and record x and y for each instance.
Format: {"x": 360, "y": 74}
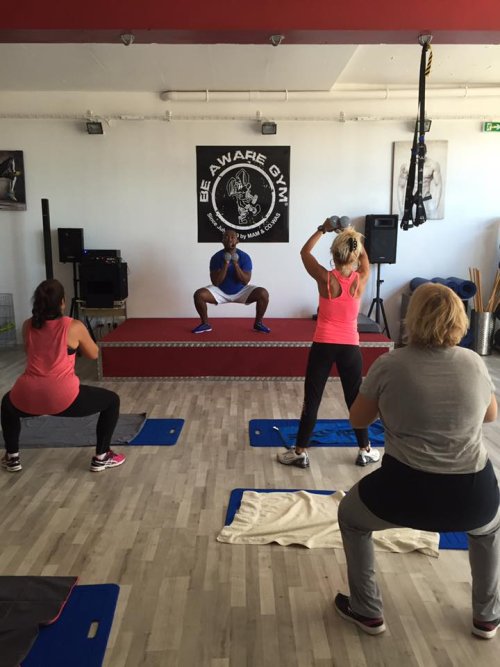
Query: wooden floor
{"x": 188, "y": 601}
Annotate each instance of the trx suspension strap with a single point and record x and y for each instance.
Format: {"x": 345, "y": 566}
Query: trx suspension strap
{"x": 414, "y": 209}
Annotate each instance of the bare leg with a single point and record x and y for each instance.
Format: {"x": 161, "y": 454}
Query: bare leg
{"x": 201, "y": 297}
{"x": 259, "y": 296}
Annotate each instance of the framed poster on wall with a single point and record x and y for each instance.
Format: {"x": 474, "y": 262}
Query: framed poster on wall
{"x": 12, "y": 186}
{"x": 434, "y": 177}
{"x": 245, "y": 188}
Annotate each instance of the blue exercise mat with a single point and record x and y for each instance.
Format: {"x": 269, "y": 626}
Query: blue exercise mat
{"x": 327, "y": 433}
{"x": 465, "y": 289}
{"x": 446, "y": 540}
{"x": 456, "y": 541}
{"x": 159, "y": 432}
{"x": 80, "y": 635}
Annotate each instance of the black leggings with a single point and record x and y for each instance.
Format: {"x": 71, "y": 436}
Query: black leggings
{"x": 89, "y": 401}
{"x": 322, "y": 356}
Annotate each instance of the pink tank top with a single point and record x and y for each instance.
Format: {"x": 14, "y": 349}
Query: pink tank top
{"x": 338, "y": 317}
{"x": 49, "y": 384}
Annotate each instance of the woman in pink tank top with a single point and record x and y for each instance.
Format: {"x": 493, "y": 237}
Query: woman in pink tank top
{"x": 336, "y": 339}
{"x": 49, "y": 385}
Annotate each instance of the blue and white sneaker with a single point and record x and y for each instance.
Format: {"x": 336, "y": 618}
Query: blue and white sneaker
{"x": 291, "y": 458}
{"x": 366, "y": 456}
{"x": 202, "y": 328}
{"x": 261, "y": 327}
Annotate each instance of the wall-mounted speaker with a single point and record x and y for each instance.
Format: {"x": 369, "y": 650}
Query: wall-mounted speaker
{"x": 71, "y": 244}
{"x": 381, "y": 238}
{"x": 102, "y": 283}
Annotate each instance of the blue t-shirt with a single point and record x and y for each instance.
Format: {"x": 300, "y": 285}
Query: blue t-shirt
{"x": 231, "y": 283}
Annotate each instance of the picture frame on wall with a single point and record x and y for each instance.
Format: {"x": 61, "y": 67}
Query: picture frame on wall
{"x": 12, "y": 181}
{"x": 434, "y": 177}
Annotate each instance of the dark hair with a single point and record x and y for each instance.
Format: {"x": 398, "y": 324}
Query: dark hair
{"x": 47, "y": 301}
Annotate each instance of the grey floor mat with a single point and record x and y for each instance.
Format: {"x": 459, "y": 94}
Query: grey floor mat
{"x": 74, "y": 431}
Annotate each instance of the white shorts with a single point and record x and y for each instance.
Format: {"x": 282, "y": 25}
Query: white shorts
{"x": 239, "y": 297}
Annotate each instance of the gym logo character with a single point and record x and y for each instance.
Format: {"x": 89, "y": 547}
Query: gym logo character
{"x": 239, "y": 188}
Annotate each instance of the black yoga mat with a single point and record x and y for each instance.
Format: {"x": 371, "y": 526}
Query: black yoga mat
{"x": 26, "y": 603}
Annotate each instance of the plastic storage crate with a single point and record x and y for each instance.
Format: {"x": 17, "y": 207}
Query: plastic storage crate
{"x": 7, "y": 320}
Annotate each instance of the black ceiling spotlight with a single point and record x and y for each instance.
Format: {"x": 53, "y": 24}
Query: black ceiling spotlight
{"x": 94, "y": 127}
{"x": 268, "y": 127}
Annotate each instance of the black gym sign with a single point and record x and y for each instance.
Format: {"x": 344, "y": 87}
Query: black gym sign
{"x": 245, "y": 188}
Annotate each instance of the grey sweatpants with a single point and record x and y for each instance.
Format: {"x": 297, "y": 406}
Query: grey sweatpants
{"x": 356, "y": 526}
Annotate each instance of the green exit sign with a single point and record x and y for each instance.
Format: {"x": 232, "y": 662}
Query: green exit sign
{"x": 491, "y": 126}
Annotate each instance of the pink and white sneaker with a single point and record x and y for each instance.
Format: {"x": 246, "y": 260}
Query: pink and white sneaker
{"x": 111, "y": 460}
{"x": 11, "y": 462}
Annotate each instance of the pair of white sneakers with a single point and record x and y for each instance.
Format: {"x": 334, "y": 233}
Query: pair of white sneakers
{"x": 290, "y": 457}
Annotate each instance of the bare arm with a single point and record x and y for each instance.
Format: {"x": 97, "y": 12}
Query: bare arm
{"x": 218, "y": 277}
{"x": 79, "y": 337}
{"x": 311, "y": 264}
{"x": 363, "y": 412}
{"x": 492, "y": 411}
{"x": 244, "y": 276}
{"x": 26, "y": 326}
{"x": 363, "y": 270}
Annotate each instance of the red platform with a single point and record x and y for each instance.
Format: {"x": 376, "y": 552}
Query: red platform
{"x": 146, "y": 348}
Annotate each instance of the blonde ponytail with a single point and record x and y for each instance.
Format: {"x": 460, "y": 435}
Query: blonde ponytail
{"x": 346, "y": 249}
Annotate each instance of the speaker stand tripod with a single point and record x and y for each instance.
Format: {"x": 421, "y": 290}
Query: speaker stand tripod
{"x": 74, "y": 301}
{"x": 378, "y": 304}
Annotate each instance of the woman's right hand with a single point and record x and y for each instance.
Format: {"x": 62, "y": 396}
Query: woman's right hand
{"x": 328, "y": 226}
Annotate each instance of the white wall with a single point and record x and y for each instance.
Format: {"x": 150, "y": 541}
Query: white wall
{"x": 134, "y": 189}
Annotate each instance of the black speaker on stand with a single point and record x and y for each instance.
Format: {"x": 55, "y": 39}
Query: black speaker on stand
{"x": 381, "y": 236}
{"x": 47, "y": 242}
{"x": 71, "y": 250}
{"x": 71, "y": 244}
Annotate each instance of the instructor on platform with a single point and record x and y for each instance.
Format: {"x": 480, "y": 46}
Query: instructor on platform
{"x": 230, "y": 273}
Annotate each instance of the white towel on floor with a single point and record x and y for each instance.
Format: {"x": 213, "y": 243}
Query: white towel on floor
{"x": 310, "y": 519}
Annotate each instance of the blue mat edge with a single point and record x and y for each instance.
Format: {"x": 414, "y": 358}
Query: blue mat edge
{"x": 456, "y": 541}
{"x": 50, "y": 636}
{"x": 274, "y": 439}
{"x": 144, "y": 438}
